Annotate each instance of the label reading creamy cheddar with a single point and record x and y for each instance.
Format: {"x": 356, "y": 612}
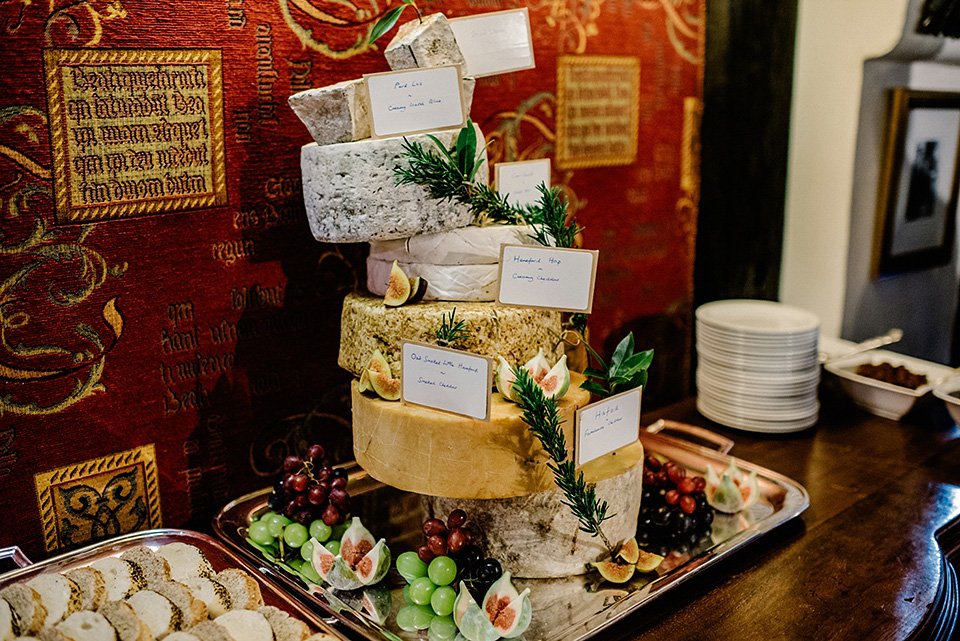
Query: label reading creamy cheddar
{"x": 550, "y": 277}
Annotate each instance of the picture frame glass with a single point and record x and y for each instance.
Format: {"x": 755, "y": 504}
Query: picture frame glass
{"x": 925, "y": 182}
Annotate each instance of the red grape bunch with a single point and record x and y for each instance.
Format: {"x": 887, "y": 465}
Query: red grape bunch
{"x": 455, "y": 538}
{"x": 674, "y": 513}
{"x": 307, "y": 490}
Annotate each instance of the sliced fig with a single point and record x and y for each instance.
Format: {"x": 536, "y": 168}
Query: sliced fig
{"x": 378, "y": 363}
{"x": 556, "y": 382}
{"x": 629, "y": 552}
{"x": 323, "y": 559}
{"x": 356, "y": 542}
{"x": 418, "y": 287}
{"x": 374, "y": 564}
{"x": 537, "y": 366}
{"x": 615, "y": 572}
{"x": 504, "y": 379}
{"x": 386, "y": 387}
{"x": 398, "y": 287}
{"x": 727, "y": 497}
{"x": 647, "y": 561}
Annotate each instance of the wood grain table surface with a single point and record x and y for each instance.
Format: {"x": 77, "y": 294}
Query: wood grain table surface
{"x": 862, "y": 562}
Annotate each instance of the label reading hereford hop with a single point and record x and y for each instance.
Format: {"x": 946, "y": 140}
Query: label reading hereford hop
{"x": 550, "y": 277}
{"x": 447, "y": 379}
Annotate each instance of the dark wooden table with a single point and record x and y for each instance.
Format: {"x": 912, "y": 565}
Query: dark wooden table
{"x": 864, "y": 561}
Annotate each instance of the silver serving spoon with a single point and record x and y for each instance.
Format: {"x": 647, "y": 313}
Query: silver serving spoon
{"x": 893, "y": 336}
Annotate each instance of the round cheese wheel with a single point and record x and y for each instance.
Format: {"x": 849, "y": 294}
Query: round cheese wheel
{"x": 538, "y": 537}
{"x": 464, "y": 246}
{"x": 516, "y": 333}
{"x": 427, "y": 451}
{"x": 444, "y": 282}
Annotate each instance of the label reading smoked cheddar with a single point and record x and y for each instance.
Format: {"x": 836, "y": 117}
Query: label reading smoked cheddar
{"x": 447, "y": 379}
{"x": 607, "y": 425}
{"x": 518, "y": 182}
{"x": 417, "y": 100}
{"x": 550, "y": 277}
{"x": 495, "y": 42}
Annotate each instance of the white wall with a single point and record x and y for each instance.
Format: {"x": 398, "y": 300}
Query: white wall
{"x": 834, "y": 37}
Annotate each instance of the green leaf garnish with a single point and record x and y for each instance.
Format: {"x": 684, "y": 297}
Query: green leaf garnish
{"x": 386, "y": 22}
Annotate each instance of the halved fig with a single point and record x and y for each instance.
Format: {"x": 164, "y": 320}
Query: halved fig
{"x": 418, "y": 287}
{"x": 629, "y": 552}
{"x": 615, "y": 572}
{"x": 378, "y": 363}
{"x": 398, "y": 287}
{"x": 647, "y": 561}
{"x": 386, "y": 387}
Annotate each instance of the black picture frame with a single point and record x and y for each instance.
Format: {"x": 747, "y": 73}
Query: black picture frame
{"x": 917, "y": 200}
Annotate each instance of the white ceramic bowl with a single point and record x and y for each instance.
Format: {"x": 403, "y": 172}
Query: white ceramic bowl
{"x": 948, "y": 393}
{"x": 884, "y": 399}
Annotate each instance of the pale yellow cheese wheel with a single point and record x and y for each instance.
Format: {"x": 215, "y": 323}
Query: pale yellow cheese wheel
{"x": 428, "y": 451}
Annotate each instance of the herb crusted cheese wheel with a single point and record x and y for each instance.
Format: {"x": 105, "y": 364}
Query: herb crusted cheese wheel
{"x": 515, "y": 333}
{"x": 427, "y": 451}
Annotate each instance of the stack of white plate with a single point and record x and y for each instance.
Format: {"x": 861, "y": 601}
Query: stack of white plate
{"x": 758, "y": 368}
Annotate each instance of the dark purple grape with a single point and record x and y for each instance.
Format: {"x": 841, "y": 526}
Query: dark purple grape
{"x": 469, "y": 556}
{"x": 331, "y": 515}
{"x": 425, "y": 553}
{"x": 438, "y": 545}
{"x": 325, "y": 473}
{"x": 457, "y": 518}
{"x": 340, "y": 498}
{"x": 276, "y": 502}
{"x": 299, "y": 483}
{"x": 489, "y": 571}
{"x": 303, "y": 517}
{"x": 317, "y": 494}
{"x": 339, "y": 482}
{"x": 315, "y": 452}
{"x": 434, "y": 527}
{"x": 292, "y": 463}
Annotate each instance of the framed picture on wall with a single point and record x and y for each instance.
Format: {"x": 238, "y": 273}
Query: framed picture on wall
{"x": 916, "y": 208}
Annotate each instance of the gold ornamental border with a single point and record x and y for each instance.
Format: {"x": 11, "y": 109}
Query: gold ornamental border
{"x": 55, "y": 59}
{"x": 566, "y": 64}
{"x": 44, "y": 482}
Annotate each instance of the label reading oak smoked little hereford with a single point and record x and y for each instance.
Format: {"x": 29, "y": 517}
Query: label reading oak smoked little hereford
{"x": 447, "y": 379}
{"x": 551, "y": 277}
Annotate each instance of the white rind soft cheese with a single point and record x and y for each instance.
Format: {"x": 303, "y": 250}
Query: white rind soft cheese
{"x": 516, "y": 333}
{"x": 444, "y": 282}
{"x": 537, "y": 536}
{"x": 464, "y": 246}
{"x": 351, "y": 194}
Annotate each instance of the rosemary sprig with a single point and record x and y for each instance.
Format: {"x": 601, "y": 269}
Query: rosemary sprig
{"x": 451, "y": 333}
{"x": 549, "y": 219}
{"x": 543, "y": 417}
{"x": 450, "y": 176}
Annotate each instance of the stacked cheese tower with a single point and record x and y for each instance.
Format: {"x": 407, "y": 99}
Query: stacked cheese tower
{"x": 172, "y": 593}
{"x": 494, "y": 470}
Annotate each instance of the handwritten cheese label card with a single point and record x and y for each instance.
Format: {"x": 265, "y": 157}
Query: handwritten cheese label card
{"x": 446, "y": 379}
{"x": 551, "y": 277}
{"x": 607, "y": 425}
{"x": 415, "y": 100}
{"x": 496, "y": 42}
{"x": 518, "y": 181}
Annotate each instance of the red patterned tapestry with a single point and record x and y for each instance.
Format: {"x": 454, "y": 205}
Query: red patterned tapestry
{"x": 169, "y": 328}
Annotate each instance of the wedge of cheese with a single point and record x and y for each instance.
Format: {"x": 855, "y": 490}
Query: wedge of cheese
{"x": 351, "y": 195}
{"x": 537, "y": 536}
{"x": 515, "y": 333}
{"x": 427, "y": 451}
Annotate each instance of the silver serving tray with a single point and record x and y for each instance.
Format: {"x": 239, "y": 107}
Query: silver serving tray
{"x": 218, "y": 554}
{"x": 569, "y": 609}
